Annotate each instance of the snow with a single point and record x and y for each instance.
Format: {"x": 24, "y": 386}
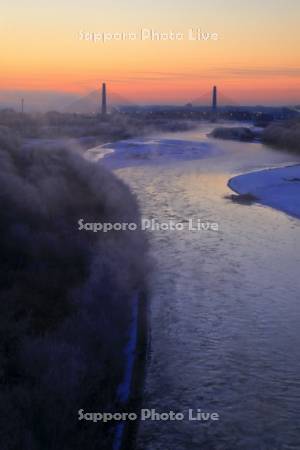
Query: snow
{"x": 152, "y": 150}
{"x": 276, "y": 187}
{"x": 123, "y": 392}
{"x": 130, "y": 349}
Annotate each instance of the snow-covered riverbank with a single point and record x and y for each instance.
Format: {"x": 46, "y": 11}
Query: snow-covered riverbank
{"x": 276, "y": 187}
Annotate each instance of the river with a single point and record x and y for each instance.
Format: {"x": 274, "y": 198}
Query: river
{"x": 224, "y": 306}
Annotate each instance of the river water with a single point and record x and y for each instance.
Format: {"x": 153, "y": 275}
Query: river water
{"x": 224, "y": 306}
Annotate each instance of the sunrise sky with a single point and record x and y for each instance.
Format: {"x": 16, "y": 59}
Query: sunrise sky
{"x": 255, "y": 60}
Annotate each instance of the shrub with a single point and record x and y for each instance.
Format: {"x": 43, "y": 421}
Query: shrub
{"x": 65, "y": 296}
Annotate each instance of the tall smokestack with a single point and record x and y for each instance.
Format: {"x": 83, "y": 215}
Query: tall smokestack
{"x": 104, "y": 106}
{"x": 214, "y": 99}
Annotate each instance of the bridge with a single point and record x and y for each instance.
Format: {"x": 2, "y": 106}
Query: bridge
{"x": 211, "y": 100}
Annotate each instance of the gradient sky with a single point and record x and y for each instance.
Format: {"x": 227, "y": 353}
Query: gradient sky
{"x": 255, "y": 60}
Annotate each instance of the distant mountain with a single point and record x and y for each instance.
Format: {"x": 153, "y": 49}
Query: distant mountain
{"x": 36, "y": 101}
{"x": 91, "y": 103}
{"x": 43, "y": 101}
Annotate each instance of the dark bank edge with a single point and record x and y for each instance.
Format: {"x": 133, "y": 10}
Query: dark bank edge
{"x": 138, "y": 374}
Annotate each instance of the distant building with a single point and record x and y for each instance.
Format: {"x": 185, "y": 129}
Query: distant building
{"x": 104, "y": 100}
{"x": 214, "y": 100}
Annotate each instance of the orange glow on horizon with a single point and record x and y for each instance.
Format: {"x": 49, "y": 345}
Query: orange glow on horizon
{"x": 255, "y": 59}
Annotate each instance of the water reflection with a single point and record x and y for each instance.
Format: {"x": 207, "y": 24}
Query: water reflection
{"x": 224, "y": 308}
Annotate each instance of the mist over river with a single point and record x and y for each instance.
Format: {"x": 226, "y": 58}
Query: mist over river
{"x": 224, "y": 306}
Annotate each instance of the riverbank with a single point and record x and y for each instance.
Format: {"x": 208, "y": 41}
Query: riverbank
{"x": 140, "y": 354}
{"x": 276, "y": 187}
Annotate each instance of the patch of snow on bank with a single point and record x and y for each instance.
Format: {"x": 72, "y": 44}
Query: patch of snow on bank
{"x": 278, "y": 188}
{"x": 98, "y": 152}
{"x": 123, "y": 392}
{"x": 153, "y": 149}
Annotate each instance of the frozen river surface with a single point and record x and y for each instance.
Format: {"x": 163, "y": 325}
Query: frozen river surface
{"x": 224, "y": 306}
